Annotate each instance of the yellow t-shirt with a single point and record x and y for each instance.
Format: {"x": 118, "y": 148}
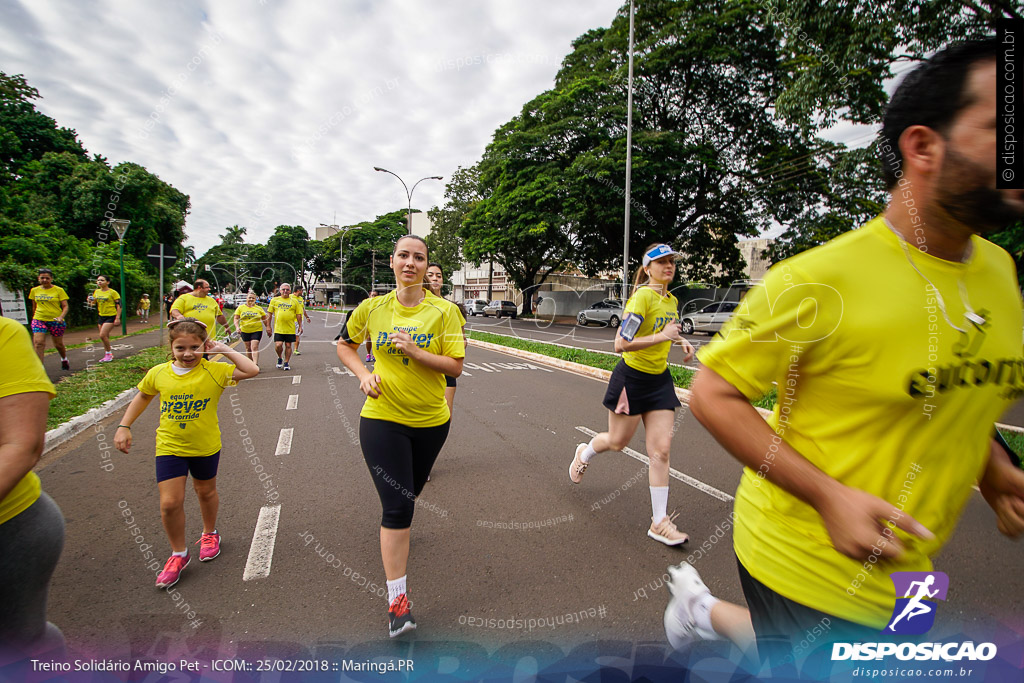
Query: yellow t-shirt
{"x": 105, "y": 301}
{"x": 286, "y": 312}
{"x": 144, "y": 304}
{"x": 411, "y": 394}
{"x": 188, "y": 407}
{"x": 876, "y": 390}
{"x": 656, "y": 311}
{"x": 23, "y": 374}
{"x": 250, "y": 317}
{"x": 204, "y": 308}
{"x": 47, "y": 302}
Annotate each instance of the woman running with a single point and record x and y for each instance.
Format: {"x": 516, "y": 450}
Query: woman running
{"x": 108, "y": 311}
{"x": 641, "y": 387}
{"x": 404, "y": 421}
{"x": 188, "y": 437}
{"x": 249, "y": 321}
{"x": 49, "y": 308}
{"x": 144, "y": 308}
{"x": 434, "y": 282}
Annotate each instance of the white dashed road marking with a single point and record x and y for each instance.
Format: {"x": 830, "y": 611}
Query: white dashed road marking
{"x": 293, "y": 402}
{"x": 674, "y": 473}
{"x": 296, "y": 379}
{"x": 284, "y": 442}
{"x": 261, "y": 552}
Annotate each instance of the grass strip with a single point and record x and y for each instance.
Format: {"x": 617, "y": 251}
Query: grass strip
{"x": 98, "y": 343}
{"x": 99, "y": 383}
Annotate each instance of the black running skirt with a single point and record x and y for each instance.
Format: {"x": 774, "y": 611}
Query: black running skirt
{"x": 632, "y": 392}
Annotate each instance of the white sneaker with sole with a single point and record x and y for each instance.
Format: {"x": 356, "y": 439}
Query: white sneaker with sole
{"x": 666, "y": 532}
{"x": 687, "y": 590}
{"x": 577, "y": 467}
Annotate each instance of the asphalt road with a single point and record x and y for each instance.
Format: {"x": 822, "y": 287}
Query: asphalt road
{"x": 570, "y": 550}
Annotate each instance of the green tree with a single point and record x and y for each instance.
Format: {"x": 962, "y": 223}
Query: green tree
{"x": 288, "y": 248}
{"x": 461, "y": 193}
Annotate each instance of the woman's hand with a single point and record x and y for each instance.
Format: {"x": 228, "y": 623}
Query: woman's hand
{"x": 404, "y": 343}
{"x": 214, "y": 346}
{"x": 688, "y": 350}
{"x": 371, "y": 386}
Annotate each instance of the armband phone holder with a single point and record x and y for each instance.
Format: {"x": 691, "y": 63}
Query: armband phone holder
{"x": 630, "y": 326}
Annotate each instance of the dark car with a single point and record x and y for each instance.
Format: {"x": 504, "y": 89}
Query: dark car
{"x": 499, "y": 308}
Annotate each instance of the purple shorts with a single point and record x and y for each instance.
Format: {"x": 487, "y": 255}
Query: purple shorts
{"x": 54, "y": 328}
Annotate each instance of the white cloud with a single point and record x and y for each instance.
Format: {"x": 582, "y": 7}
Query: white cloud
{"x": 271, "y": 112}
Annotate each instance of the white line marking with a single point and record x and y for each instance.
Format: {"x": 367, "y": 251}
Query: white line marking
{"x": 261, "y": 552}
{"x": 674, "y": 473}
{"x": 293, "y": 402}
{"x": 284, "y": 442}
{"x": 297, "y": 379}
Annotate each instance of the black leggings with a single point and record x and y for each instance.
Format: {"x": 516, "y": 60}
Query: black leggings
{"x": 399, "y": 459}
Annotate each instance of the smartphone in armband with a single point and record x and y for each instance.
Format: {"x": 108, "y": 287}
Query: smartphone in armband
{"x": 630, "y": 326}
{"x": 1014, "y": 457}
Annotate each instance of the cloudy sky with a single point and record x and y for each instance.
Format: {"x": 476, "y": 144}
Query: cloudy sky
{"x": 271, "y": 112}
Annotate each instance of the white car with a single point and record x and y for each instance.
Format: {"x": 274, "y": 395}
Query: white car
{"x": 607, "y": 312}
{"x": 708, "y": 319}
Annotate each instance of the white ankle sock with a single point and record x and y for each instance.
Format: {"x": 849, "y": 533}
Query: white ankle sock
{"x": 588, "y": 452}
{"x": 702, "y": 612}
{"x": 183, "y": 553}
{"x": 659, "y": 502}
{"x": 395, "y": 588}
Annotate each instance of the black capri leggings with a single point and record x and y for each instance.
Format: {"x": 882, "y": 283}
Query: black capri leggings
{"x": 399, "y": 459}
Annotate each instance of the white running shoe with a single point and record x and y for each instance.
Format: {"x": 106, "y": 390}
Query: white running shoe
{"x": 666, "y": 532}
{"x": 577, "y": 467}
{"x": 687, "y": 590}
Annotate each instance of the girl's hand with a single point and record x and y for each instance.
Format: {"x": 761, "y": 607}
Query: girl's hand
{"x": 214, "y": 346}
{"x": 117, "y": 320}
{"x": 674, "y": 331}
{"x": 123, "y": 439}
{"x": 687, "y": 349}
{"x": 371, "y": 386}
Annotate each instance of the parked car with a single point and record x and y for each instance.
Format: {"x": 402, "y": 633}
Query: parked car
{"x": 607, "y": 312}
{"x": 708, "y": 319}
{"x": 474, "y": 306}
{"x": 499, "y": 308}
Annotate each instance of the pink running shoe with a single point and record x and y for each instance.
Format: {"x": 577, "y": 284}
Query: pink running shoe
{"x": 209, "y": 546}
{"x": 172, "y": 571}
{"x": 107, "y": 357}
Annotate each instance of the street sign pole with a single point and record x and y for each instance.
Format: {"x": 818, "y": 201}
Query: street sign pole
{"x": 120, "y": 226}
{"x": 162, "y": 256}
{"x": 163, "y": 308}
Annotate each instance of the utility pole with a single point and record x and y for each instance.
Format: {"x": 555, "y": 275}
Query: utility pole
{"x": 373, "y": 269}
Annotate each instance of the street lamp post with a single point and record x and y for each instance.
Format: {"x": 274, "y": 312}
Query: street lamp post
{"x": 120, "y": 226}
{"x": 408, "y": 192}
{"x": 341, "y": 258}
{"x": 629, "y": 161}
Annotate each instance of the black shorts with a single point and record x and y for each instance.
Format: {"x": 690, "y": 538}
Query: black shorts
{"x": 787, "y": 631}
{"x": 449, "y": 381}
{"x": 632, "y": 392}
{"x": 251, "y": 336}
{"x": 284, "y": 337}
{"x": 104, "y": 319}
{"x": 172, "y": 466}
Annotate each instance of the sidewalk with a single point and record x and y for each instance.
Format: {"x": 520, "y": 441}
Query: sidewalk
{"x": 84, "y": 356}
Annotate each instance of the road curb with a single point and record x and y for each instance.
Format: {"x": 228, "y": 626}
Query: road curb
{"x": 578, "y": 368}
{"x": 76, "y": 425}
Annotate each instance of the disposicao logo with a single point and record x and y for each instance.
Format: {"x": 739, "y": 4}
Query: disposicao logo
{"x": 916, "y": 595}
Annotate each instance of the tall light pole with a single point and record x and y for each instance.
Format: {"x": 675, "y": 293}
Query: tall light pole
{"x": 120, "y": 226}
{"x": 408, "y": 192}
{"x": 629, "y": 161}
{"x": 341, "y": 258}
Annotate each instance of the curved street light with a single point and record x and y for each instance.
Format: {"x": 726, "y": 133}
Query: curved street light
{"x": 408, "y": 192}
{"x": 341, "y": 258}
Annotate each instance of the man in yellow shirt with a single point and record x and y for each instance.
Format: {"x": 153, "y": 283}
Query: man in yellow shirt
{"x": 286, "y": 313}
{"x": 299, "y": 295}
{"x": 200, "y": 305}
{"x": 49, "y": 307}
{"x": 894, "y": 349}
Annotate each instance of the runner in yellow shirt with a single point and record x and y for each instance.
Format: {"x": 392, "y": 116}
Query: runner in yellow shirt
{"x": 641, "y": 387}
{"x": 286, "y": 313}
{"x": 405, "y": 419}
{"x": 249, "y": 321}
{"x": 188, "y": 438}
{"x": 31, "y": 524}
{"x": 108, "y": 311}
{"x": 892, "y": 348}
{"x": 144, "y": 308}
{"x": 49, "y": 307}
{"x": 299, "y": 295}
{"x": 200, "y": 305}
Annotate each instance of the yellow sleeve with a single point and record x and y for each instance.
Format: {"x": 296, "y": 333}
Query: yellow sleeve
{"x": 272, "y": 307}
{"x": 117, "y": 297}
{"x": 148, "y": 383}
{"x": 222, "y": 372}
{"x": 301, "y": 310}
{"x": 355, "y": 329}
{"x": 23, "y": 371}
{"x": 764, "y": 334}
{"x": 179, "y": 304}
{"x": 32, "y": 294}
{"x": 451, "y": 339}
{"x": 62, "y": 295}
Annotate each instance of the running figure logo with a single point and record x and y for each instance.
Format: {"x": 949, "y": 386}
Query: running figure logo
{"x": 916, "y": 593}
